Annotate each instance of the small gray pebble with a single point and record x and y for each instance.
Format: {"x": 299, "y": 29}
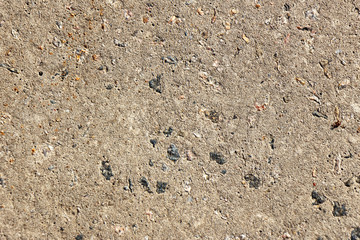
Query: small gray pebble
{"x": 173, "y": 153}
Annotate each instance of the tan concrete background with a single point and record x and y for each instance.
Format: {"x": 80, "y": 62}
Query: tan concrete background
{"x": 259, "y": 99}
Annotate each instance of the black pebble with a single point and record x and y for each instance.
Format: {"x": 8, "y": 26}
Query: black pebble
{"x": 355, "y": 234}
{"x": 106, "y": 170}
{"x": 161, "y": 187}
{"x": 218, "y": 157}
{"x": 319, "y": 199}
{"x": 145, "y": 183}
{"x": 319, "y": 114}
{"x": 168, "y": 132}
{"x": 153, "y": 142}
{"x": 109, "y": 87}
{"x": 41, "y": 73}
{"x": 151, "y": 164}
{"x": 349, "y": 182}
{"x": 130, "y": 185}
{"x": 223, "y": 171}
{"x": 156, "y": 84}
{"x": 79, "y": 237}
{"x": 272, "y": 143}
{"x": 287, "y": 7}
{"x": 254, "y": 182}
{"x": 173, "y": 153}
{"x": 339, "y": 211}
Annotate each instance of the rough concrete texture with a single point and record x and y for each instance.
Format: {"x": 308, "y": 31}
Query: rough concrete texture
{"x": 185, "y": 119}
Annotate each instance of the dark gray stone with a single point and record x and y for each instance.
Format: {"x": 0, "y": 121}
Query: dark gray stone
{"x": 161, "y": 187}
{"x": 338, "y": 210}
{"x": 173, "y": 153}
{"x": 319, "y": 199}
{"x": 106, "y": 170}
{"x": 156, "y": 84}
{"x": 355, "y": 234}
{"x": 254, "y": 182}
{"x": 217, "y": 157}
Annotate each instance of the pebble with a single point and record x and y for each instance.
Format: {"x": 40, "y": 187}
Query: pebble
{"x": 338, "y": 210}
{"x": 109, "y": 87}
{"x": 151, "y": 163}
{"x": 118, "y": 43}
{"x": 198, "y": 135}
{"x": 319, "y": 199}
{"x": 56, "y": 42}
{"x": 2, "y": 182}
{"x": 103, "y": 68}
{"x": 355, "y": 234}
{"x": 350, "y": 182}
{"x": 164, "y": 167}
{"x": 286, "y": 7}
{"x": 145, "y": 183}
{"x": 8, "y": 67}
{"x": 59, "y": 24}
{"x": 170, "y": 60}
{"x": 254, "y": 182}
{"x": 153, "y": 142}
{"x": 213, "y": 116}
{"x": 130, "y": 185}
{"x": 312, "y": 14}
{"x": 79, "y": 237}
{"x": 173, "y": 153}
{"x": 272, "y": 143}
{"x": 187, "y": 187}
{"x": 161, "y": 187}
{"x": 155, "y": 84}
{"x": 15, "y": 33}
{"x": 319, "y": 114}
{"x": 286, "y": 235}
{"x": 217, "y": 157}
{"x": 168, "y": 132}
{"x": 106, "y": 170}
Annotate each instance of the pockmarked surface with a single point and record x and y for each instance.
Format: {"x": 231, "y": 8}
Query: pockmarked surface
{"x": 179, "y": 119}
